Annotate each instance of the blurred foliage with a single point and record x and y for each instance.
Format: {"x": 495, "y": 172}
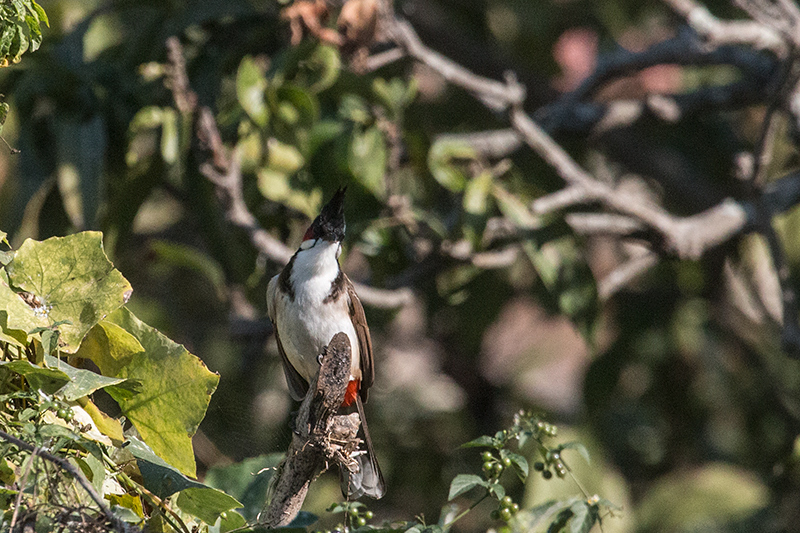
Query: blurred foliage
{"x": 670, "y": 388}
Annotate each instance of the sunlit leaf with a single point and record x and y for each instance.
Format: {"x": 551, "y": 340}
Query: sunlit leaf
{"x": 175, "y": 390}
{"x": 110, "y": 347}
{"x": 444, "y": 158}
{"x": 250, "y": 85}
{"x": 74, "y": 281}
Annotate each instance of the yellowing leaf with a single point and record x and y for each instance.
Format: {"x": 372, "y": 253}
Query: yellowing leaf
{"x": 110, "y": 347}
{"x": 175, "y": 390}
{"x": 74, "y": 281}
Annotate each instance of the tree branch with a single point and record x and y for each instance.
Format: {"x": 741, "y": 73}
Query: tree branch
{"x": 320, "y": 438}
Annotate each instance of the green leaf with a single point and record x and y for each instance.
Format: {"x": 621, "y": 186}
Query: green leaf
{"x": 159, "y": 477}
{"x": 175, "y": 390}
{"x": 442, "y": 162}
{"x": 519, "y": 462}
{"x": 74, "y": 280}
{"x": 82, "y": 382}
{"x": 231, "y": 520}
{"x": 322, "y": 68}
{"x": 465, "y": 482}
{"x": 476, "y": 195}
{"x": 484, "y": 441}
{"x": 207, "y": 504}
{"x": 498, "y": 490}
{"x": 578, "y": 447}
{"x": 19, "y": 316}
{"x": 395, "y": 94}
{"x": 47, "y": 380}
{"x": 250, "y": 85}
{"x": 367, "y": 158}
{"x": 283, "y": 157}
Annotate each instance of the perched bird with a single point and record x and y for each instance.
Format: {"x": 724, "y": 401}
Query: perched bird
{"x": 309, "y": 302}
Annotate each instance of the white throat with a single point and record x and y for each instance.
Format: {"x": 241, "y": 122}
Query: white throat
{"x": 314, "y": 270}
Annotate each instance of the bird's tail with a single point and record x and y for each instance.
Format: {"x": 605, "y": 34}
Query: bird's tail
{"x": 368, "y": 480}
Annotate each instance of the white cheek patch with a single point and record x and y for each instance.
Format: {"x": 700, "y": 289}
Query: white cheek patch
{"x": 308, "y": 243}
{"x": 339, "y": 251}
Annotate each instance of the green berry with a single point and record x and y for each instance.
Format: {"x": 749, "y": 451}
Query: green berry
{"x": 353, "y": 512}
{"x": 538, "y": 466}
{"x": 515, "y": 508}
{"x": 368, "y": 515}
{"x": 361, "y": 521}
{"x": 65, "y": 414}
{"x": 497, "y": 468}
{"x": 487, "y": 466}
{"x": 487, "y": 456}
{"x": 505, "y": 514}
{"x": 506, "y": 462}
{"x": 547, "y": 474}
{"x": 506, "y": 501}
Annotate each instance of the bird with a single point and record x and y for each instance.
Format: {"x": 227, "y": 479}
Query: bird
{"x": 310, "y": 301}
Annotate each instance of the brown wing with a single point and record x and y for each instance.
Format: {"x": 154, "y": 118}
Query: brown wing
{"x": 298, "y": 387}
{"x": 364, "y": 340}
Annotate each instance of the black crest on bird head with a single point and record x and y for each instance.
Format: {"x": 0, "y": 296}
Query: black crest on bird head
{"x": 329, "y": 225}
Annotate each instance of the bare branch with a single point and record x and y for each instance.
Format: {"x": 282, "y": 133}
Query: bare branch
{"x": 495, "y": 95}
{"x": 626, "y": 273}
{"x": 603, "y": 224}
{"x": 735, "y": 32}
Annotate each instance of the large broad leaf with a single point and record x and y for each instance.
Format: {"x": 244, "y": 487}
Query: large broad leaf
{"x": 19, "y": 318}
{"x": 175, "y": 390}
{"x": 82, "y": 382}
{"x": 160, "y": 478}
{"x": 73, "y": 280}
{"x": 110, "y": 347}
{"x": 47, "y": 380}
